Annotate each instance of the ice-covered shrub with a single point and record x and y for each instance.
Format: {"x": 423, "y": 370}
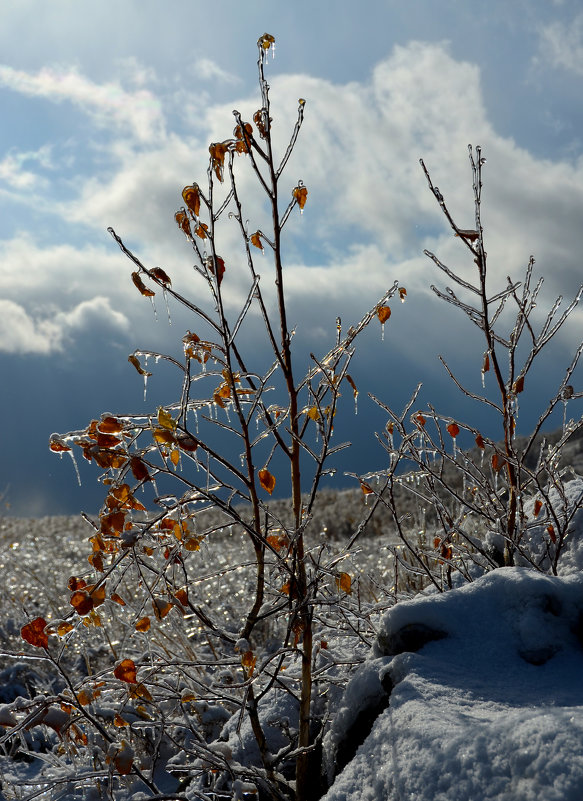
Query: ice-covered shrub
{"x": 180, "y": 654}
{"x": 509, "y": 500}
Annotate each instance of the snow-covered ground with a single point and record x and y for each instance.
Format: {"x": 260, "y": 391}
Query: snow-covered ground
{"x": 471, "y": 694}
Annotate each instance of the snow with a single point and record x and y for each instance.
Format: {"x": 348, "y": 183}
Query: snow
{"x": 470, "y": 694}
{"x": 491, "y": 710}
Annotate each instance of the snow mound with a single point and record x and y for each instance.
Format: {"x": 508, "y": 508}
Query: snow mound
{"x": 471, "y": 694}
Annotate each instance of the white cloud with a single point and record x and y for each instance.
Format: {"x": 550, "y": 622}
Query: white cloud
{"x": 561, "y": 45}
{"x": 207, "y": 69}
{"x": 47, "y": 332}
{"x": 109, "y": 104}
{"x": 23, "y": 333}
{"x": 14, "y": 174}
{"x": 369, "y": 212}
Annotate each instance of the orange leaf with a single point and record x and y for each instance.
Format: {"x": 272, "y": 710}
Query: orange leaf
{"x": 175, "y": 457}
{"x": 81, "y": 602}
{"x": 402, "y": 294}
{"x": 300, "y": 194}
{"x": 139, "y": 469}
{"x": 148, "y": 293}
{"x": 383, "y": 313}
{"x": 255, "y": 239}
{"x": 537, "y": 507}
{"x": 161, "y": 608}
{"x": 126, "y": 671}
{"x": 57, "y": 445}
{"x": 480, "y": 442}
{"x": 187, "y": 443}
{"x": 34, "y": 633}
{"x": 220, "y": 267}
{"x": 344, "y": 583}
{"x": 218, "y": 151}
{"x": 124, "y": 759}
{"x": 134, "y": 360}
{"x": 420, "y": 420}
{"x": 109, "y": 425}
{"x": 498, "y": 462}
{"x": 75, "y": 583}
{"x": 201, "y": 230}
{"x": 486, "y": 365}
{"x": 159, "y": 273}
{"x": 117, "y": 599}
{"x": 453, "y": 430}
{"x": 143, "y": 624}
{"x": 551, "y": 533}
{"x": 181, "y": 596}
{"x": 266, "y": 480}
{"x": 64, "y": 628}
{"x": 366, "y": 489}
{"x": 352, "y": 384}
{"x": 191, "y": 196}
{"x": 183, "y": 222}
{"x": 119, "y": 721}
{"x": 518, "y": 385}
{"x": 248, "y": 661}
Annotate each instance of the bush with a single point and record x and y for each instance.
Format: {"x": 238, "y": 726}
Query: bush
{"x": 507, "y": 501}
{"x": 217, "y": 631}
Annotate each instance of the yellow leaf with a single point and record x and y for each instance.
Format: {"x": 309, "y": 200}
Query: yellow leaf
{"x": 163, "y": 437}
{"x": 143, "y": 624}
{"x": 313, "y": 413}
{"x": 266, "y": 480}
{"x": 165, "y": 419}
{"x": 266, "y": 41}
{"x": 175, "y": 457}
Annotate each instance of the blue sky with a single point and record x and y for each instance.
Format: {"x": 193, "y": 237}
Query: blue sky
{"x": 107, "y": 112}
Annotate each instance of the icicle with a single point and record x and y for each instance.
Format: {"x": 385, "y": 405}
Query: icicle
{"x": 564, "y": 416}
{"x": 72, "y": 455}
{"x": 454, "y": 442}
{"x": 481, "y": 458}
{"x": 483, "y": 380}
{"x": 167, "y": 305}
{"x": 227, "y": 412}
{"x": 145, "y": 385}
{"x": 356, "y": 403}
{"x": 382, "y": 332}
{"x": 195, "y": 413}
{"x": 154, "y": 307}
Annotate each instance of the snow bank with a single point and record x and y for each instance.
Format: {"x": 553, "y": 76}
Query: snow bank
{"x": 489, "y": 707}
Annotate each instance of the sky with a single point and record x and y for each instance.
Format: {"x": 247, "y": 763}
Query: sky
{"x": 107, "y": 113}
